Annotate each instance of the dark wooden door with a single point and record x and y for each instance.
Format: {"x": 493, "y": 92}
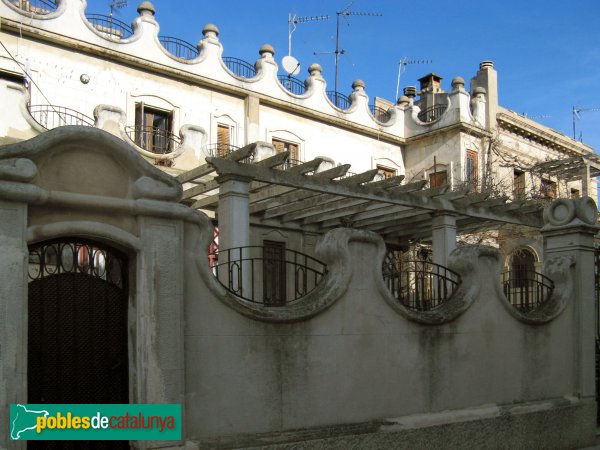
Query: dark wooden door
{"x": 274, "y": 274}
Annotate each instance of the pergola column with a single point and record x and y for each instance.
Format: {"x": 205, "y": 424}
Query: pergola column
{"x": 234, "y": 234}
{"x": 585, "y": 180}
{"x": 443, "y": 227}
{"x": 233, "y": 212}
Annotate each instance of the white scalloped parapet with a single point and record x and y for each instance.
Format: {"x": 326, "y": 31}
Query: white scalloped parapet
{"x": 69, "y": 20}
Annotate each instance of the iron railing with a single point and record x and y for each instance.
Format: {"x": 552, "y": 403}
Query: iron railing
{"x": 109, "y": 26}
{"x": 432, "y": 113}
{"x": 380, "y": 114}
{"x": 289, "y": 163}
{"x": 268, "y": 276}
{"x": 294, "y": 85}
{"x": 60, "y": 257}
{"x": 526, "y": 289}
{"x": 51, "y": 116}
{"x": 419, "y": 285}
{"x": 40, "y": 7}
{"x": 178, "y": 47}
{"x": 239, "y": 67}
{"x": 153, "y": 139}
{"x": 338, "y": 99}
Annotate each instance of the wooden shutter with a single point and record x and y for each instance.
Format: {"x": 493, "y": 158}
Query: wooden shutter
{"x": 437, "y": 179}
{"x": 293, "y": 151}
{"x": 279, "y": 145}
{"x": 472, "y": 169}
{"x": 223, "y": 134}
{"x": 139, "y": 124}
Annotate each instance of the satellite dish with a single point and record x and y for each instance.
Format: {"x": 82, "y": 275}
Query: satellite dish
{"x": 290, "y": 65}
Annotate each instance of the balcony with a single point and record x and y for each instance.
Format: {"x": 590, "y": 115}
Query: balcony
{"x": 419, "y": 285}
{"x": 432, "y": 113}
{"x": 51, "y": 116}
{"x": 380, "y": 114}
{"x": 109, "y": 26}
{"x": 525, "y": 289}
{"x": 39, "y": 7}
{"x": 178, "y": 47}
{"x": 340, "y": 100}
{"x": 271, "y": 276}
{"x": 155, "y": 140}
{"x": 294, "y": 85}
{"x": 240, "y": 67}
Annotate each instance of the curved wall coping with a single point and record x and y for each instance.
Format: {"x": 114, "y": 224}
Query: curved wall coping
{"x": 69, "y": 21}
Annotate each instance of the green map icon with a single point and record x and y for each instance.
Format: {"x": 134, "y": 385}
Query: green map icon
{"x": 22, "y": 420}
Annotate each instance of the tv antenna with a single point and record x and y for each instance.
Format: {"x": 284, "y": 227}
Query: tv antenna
{"x": 344, "y": 13}
{"x": 116, "y": 4}
{"x": 576, "y": 116}
{"x": 402, "y": 67}
{"x": 294, "y": 20}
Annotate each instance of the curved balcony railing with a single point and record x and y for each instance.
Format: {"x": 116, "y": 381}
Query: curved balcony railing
{"x": 267, "y": 275}
{"x": 153, "y": 139}
{"x": 432, "y": 113}
{"x": 294, "y": 85}
{"x": 289, "y": 163}
{"x": 239, "y": 67}
{"x": 51, "y": 116}
{"x": 220, "y": 150}
{"x": 380, "y": 114}
{"x": 340, "y": 100}
{"x": 109, "y": 26}
{"x": 40, "y": 7}
{"x": 419, "y": 285}
{"x": 525, "y": 289}
{"x": 178, "y": 47}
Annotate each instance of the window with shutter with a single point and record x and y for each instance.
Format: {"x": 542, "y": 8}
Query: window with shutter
{"x": 283, "y": 146}
{"x": 471, "y": 175}
{"x": 437, "y": 179}
{"x": 519, "y": 184}
{"x": 385, "y": 172}
{"x": 153, "y": 129}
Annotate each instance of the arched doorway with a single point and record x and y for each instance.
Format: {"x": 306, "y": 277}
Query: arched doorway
{"x": 77, "y": 328}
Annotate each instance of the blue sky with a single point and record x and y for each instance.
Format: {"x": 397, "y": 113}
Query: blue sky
{"x": 546, "y": 52}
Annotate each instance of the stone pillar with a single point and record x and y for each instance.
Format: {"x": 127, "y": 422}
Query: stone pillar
{"x": 570, "y": 226}
{"x": 443, "y": 229}
{"x": 159, "y": 352}
{"x": 234, "y": 231}
{"x": 13, "y": 312}
{"x": 585, "y": 180}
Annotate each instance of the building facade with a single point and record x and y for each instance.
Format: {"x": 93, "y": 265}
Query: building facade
{"x": 172, "y": 139}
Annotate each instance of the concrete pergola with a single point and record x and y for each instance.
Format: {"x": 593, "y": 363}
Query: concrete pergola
{"x": 572, "y": 169}
{"x": 300, "y": 198}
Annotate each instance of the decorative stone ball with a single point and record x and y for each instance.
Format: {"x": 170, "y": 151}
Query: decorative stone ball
{"x": 358, "y": 84}
{"x": 267, "y": 48}
{"x": 479, "y": 90}
{"x": 315, "y": 69}
{"x": 210, "y": 28}
{"x": 146, "y": 7}
{"x": 458, "y": 81}
{"x": 403, "y": 100}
